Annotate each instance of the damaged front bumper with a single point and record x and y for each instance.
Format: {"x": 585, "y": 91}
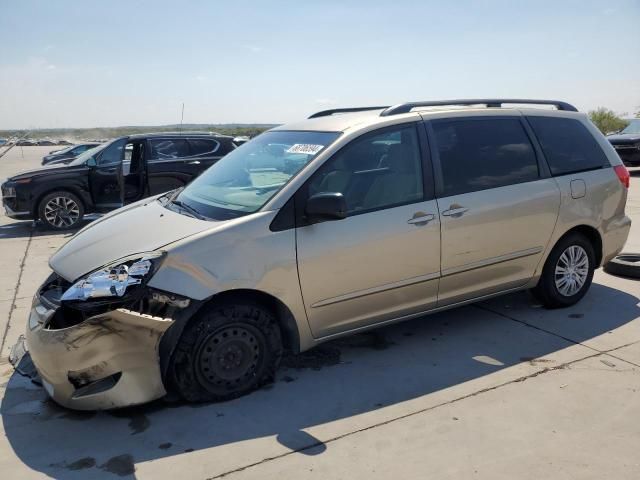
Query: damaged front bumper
{"x": 107, "y": 360}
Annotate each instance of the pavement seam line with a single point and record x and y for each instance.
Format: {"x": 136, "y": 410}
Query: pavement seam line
{"x": 622, "y": 359}
{"x": 410, "y": 414}
{"x": 605, "y": 352}
{"x": 504, "y": 315}
{"x": 15, "y": 293}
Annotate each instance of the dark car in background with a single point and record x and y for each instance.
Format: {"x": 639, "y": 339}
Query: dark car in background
{"x": 111, "y": 175}
{"x": 627, "y": 143}
{"x": 69, "y": 153}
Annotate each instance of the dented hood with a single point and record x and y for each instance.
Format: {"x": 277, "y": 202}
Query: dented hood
{"x": 142, "y": 227}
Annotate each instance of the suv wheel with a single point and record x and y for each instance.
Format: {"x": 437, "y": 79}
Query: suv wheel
{"x": 567, "y": 273}
{"x": 227, "y": 351}
{"x": 60, "y": 210}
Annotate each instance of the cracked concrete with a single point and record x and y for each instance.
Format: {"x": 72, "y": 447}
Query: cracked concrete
{"x": 500, "y": 389}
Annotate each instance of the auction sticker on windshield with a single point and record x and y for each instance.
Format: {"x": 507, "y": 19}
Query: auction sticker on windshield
{"x": 305, "y": 148}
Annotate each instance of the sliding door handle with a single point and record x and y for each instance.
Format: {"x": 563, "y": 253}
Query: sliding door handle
{"x": 421, "y": 218}
{"x": 455, "y": 212}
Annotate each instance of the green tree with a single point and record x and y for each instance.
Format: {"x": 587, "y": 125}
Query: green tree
{"x": 607, "y": 120}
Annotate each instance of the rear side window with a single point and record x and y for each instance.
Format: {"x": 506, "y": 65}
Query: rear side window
{"x": 477, "y": 154}
{"x": 201, "y": 146}
{"x": 166, "y": 149}
{"x": 567, "y": 144}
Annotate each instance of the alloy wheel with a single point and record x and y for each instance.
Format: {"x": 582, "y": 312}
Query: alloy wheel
{"x": 61, "y": 212}
{"x": 572, "y": 270}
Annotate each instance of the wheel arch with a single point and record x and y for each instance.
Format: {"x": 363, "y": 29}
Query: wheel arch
{"x": 592, "y": 234}
{"x": 286, "y": 321}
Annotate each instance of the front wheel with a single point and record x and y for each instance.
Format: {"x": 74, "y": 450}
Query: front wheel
{"x": 60, "y": 210}
{"x": 567, "y": 273}
{"x": 227, "y": 351}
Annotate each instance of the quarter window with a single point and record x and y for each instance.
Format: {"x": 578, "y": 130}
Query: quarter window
{"x": 166, "y": 149}
{"x": 567, "y": 145}
{"x": 375, "y": 171}
{"x": 201, "y": 146}
{"x": 483, "y": 153}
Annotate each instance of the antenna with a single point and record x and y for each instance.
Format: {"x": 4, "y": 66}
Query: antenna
{"x": 181, "y": 118}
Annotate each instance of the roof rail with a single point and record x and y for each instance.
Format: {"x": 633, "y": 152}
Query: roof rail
{"x": 489, "y": 102}
{"x": 326, "y": 113}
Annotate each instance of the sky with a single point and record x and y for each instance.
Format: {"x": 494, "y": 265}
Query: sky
{"x": 112, "y": 63}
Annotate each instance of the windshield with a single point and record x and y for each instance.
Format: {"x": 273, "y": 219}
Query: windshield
{"x": 245, "y": 179}
{"x": 633, "y": 127}
{"x": 87, "y": 154}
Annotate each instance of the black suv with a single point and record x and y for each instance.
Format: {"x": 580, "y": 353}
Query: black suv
{"x": 627, "y": 143}
{"x": 67, "y": 154}
{"x": 111, "y": 175}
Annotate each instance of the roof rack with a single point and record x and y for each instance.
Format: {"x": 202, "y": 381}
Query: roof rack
{"x": 489, "y": 102}
{"x": 326, "y": 113}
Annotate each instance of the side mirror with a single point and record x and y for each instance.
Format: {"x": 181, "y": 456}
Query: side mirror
{"x": 326, "y": 206}
{"x": 91, "y": 162}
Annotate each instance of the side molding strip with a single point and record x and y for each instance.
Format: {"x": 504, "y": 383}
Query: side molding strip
{"x": 492, "y": 261}
{"x": 372, "y": 290}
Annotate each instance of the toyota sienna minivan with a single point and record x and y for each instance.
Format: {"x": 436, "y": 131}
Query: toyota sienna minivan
{"x": 351, "y": 219}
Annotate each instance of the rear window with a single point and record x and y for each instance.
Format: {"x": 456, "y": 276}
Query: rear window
{"x": 483, "y": 153}
{"x": 567, "y": 144}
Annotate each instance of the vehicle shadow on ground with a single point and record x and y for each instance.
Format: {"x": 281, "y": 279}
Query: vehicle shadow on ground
{"x": 338, "y": 380}
{"x": 29, "y": 228}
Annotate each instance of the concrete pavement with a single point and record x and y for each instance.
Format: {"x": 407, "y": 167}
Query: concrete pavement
{"x": 500, "y": 389}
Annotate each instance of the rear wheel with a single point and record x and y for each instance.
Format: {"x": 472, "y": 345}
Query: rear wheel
{"x": 227, "y": 351}
{"x": 567, "y": 273}
{"x": 60, "y": 210}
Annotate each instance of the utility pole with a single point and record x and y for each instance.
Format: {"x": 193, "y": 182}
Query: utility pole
{"x": 181, "y": 118}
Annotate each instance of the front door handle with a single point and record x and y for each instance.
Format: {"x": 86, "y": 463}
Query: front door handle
{"x": 455, "y": 212}
{"x": 421, "y": 218}
{"x": 195, "y": 162}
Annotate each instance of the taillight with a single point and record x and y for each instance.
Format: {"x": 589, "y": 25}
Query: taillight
{"x": 623, "y": 174}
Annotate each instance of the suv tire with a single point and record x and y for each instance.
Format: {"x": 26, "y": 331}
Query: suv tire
{"x": 567, "y": 273}
{"x": 228, "y": 350}
{"x": 60, "y": 210}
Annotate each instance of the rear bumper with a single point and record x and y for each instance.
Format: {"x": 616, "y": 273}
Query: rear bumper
{"x": 107, "y": 361}
{"x": 615, "y": 237}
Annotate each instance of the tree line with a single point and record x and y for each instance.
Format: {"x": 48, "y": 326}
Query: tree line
{"x": 608, "y": 121}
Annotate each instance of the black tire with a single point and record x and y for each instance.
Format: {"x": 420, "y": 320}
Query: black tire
{"x": 227, "y": 351}
{"x": 70, "y": 210}
{"x": 547, "y": 290}
{"x": 624, "y": 265}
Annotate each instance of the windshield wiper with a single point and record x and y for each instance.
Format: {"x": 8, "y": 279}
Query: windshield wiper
{"x": 188, "y": 208}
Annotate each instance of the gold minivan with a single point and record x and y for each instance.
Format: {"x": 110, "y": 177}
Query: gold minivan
{"x": 351, "y": 219}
